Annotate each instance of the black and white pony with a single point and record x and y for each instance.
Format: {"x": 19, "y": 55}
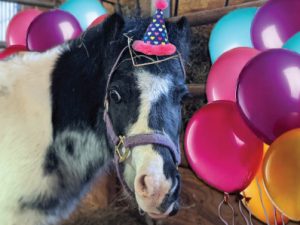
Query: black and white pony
{"x": 53, "y": 140}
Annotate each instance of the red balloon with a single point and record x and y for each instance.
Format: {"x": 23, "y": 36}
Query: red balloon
{"x": 98, "y": 20}
{"x": 223, "y": 76}
{"x": 52, "y": 28}
{"x": 12, "y": 50}
{"x": 18, "y": 27}
{"x": 221, "y": 149}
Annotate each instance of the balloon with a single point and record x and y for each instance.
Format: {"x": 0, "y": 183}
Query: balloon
{"x": 222, "y": 79}
{"x": 293, "y": 43}
{"x": 275, "y": 23}
{"x": 11, "y": 50}
{"x": 18, "y": 26}
{"x": 50, "y": 29}
{"x": 98, "y": 20}
{"x": 255, "y": 203}
{"x": 220, "y": 147}
{"x": 281, "y": 174}
{"x": 231, "y": 31}
{"x": 85, "y": 11}
{"x": 268, "y": 93}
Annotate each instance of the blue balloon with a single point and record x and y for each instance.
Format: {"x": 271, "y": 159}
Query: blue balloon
{"x": 293, "y": 43}
{"x": 231, "y": 31}
{"x": 85, "y": 11}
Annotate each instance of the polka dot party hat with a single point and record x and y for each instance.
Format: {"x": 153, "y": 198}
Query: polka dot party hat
{"x": 155, "y": 40}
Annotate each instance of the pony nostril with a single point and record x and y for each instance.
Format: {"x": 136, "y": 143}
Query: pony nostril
{"x": 145, "y": 186}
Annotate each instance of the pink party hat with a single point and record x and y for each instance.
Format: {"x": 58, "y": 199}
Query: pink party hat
{"x": 156, "y": 40}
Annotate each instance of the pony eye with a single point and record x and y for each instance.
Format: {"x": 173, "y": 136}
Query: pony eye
{"x": 115, "y": 96}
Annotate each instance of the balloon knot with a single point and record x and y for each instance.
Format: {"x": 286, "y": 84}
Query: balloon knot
{"x": 226, "y": 197}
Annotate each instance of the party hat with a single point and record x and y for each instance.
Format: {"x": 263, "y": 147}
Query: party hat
{"x": 156, "y": 40}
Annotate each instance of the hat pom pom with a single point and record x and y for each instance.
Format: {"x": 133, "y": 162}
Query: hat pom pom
{"x": 161, "y": 4}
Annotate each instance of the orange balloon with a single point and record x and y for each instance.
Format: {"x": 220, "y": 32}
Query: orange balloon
{"x": 258, "y": 201}
{"x": 281, "y": 173}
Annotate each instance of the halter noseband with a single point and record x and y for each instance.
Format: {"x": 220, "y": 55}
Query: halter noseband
{"x": 124, "y": 144}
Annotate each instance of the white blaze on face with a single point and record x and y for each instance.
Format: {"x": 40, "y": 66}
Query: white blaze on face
{"x": 144, "y": 169}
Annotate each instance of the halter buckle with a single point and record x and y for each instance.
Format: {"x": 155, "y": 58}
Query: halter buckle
{"x": 121, "y": 151}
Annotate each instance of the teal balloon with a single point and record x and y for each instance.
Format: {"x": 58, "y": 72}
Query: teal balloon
{"x": 293, "y": 43}
{"x": 85, "y": 11}
{"x": 231, "y": 31}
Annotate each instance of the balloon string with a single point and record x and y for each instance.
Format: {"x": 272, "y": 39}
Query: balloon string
{"x": 241, "y": 211}
{"x": 225, "y": 202}
{"x": 248, "y": 209}
{"x": 282, "y": 219}
{"x": 275, "y": 215}
{"x": 250, "y": 215}
{"x": 220, "y": 214}
{"x": 262, "y": 202}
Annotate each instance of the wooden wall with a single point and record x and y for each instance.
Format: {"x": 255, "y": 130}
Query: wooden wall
{"x": 185, "y": 6}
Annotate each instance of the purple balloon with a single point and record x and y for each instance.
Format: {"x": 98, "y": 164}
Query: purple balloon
{"x": 52, "y": 28}
{"x": 268, "y": 93}
{"x": 275, "y": 23}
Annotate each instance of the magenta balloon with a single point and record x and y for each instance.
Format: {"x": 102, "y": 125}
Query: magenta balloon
{"x": 18, "y": 26}
{"x": 52, "y": 28}
{"x": 220, "y": 147}
{"x": 268, "y": 93}
{"x": 275, "y": 23}
{"x": 222, "y": 79}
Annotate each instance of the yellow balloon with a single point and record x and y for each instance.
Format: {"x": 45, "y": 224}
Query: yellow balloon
{"x": 281, "y": 173}
{"x": 258, "y": 201}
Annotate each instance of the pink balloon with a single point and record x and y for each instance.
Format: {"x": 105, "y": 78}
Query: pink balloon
{"x": 18, "y": 26}
{"x": 223, "y": 76}
{"x": 221, "y": 149}
{"x": 52, "y": 28}
{"x": 11, "y": 50}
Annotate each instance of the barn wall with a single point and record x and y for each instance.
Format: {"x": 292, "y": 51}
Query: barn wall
{"x": 196, "y": 5}
{"x": 185, "y": 6}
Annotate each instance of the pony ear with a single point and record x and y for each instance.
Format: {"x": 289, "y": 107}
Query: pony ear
{"x": 180, "y": 35}
{"x": 183, "y": 24}
{"x": 113, "y": 26}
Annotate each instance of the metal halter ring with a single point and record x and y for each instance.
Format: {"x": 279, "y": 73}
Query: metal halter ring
{"x": 121, "y": 151}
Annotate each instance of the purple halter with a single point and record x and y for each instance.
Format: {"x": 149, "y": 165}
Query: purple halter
{"x": 123, "y": 145}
